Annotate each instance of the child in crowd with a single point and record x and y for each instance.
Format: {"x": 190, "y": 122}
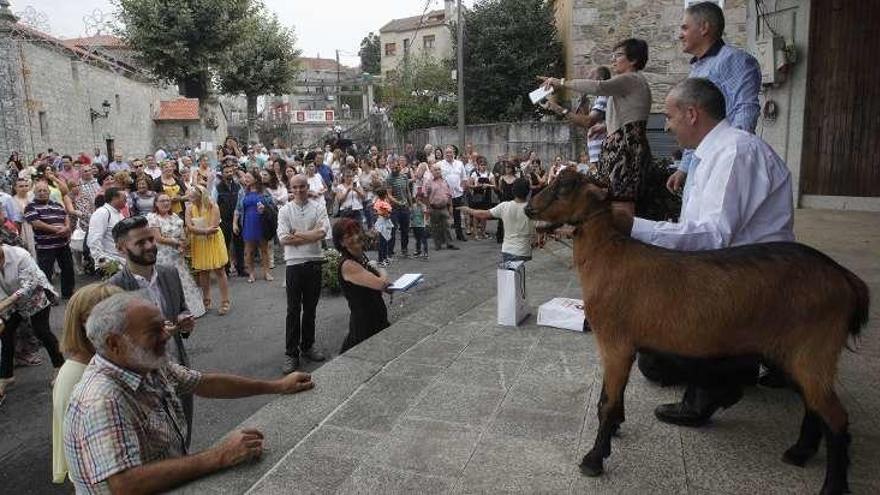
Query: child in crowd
{"x": 417, "y": 220}
{"x": 383, "y": 225}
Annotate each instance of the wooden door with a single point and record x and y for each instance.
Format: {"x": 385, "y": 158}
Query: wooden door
{"x": 842, "y": 117}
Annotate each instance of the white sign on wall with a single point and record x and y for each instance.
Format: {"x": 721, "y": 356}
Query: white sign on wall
{"x": 310, "y": 116}
{"x": 688, "y": 3}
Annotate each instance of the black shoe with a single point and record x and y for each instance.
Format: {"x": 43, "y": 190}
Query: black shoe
{"x": 452, "y": 248}
{"x": 313, "y": 354}
{"x": 417, "y": 254}
{"x": 291, "y": 364}
{"x": 698, "y": 405}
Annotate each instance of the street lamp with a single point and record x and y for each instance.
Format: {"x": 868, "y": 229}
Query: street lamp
{"x": 95, "y": 115}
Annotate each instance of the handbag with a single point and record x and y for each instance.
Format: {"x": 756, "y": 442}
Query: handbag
{"x": 269, "y": 220}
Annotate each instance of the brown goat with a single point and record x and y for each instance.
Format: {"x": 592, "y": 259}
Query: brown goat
{"x": 783, "y": 301}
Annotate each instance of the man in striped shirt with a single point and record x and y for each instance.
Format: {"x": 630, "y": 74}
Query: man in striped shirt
{"x": 52, "y": 229}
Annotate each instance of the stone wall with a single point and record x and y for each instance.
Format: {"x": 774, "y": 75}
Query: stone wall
{"x": 548, "y": 139}
{"x": 791, "y": 19}
{"x": 47, "y": 92}
{"x": 590, "y": 28}
{"x": 12, "y": 114}
{"x": 61, "y": 90}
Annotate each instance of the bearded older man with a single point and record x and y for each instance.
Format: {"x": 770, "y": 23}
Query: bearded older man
{"x": 124, "y": 431}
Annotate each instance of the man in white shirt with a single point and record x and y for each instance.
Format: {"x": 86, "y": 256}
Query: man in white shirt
{"x": 455, "y": 175}
{"x": 100, "y": 238}
{"x": 742, "y": 194}
{"x": 302, "y": 224}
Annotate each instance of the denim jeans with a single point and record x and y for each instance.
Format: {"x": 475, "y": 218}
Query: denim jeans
{"x": 400, "y": 218}
{"x": 383, "y": 248}
{"x": 421, "y": 235}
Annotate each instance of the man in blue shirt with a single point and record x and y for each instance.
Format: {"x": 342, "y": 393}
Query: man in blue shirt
{"x": 735, "y": 72}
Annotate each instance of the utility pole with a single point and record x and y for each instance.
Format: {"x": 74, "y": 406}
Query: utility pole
{"x": 460, "y": 73}
{"x": 338, "y": 88}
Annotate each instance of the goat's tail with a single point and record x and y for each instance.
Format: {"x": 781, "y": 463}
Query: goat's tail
{"x": 859, "y": 315}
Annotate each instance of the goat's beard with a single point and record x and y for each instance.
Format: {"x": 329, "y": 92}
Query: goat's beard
{"x": 143, "y": 358}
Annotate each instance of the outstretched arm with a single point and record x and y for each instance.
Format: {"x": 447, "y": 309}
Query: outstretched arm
{"x": 223, "y": 386}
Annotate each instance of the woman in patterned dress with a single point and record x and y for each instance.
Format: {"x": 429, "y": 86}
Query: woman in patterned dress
{"x": 625, "y": 155}
{"x": 171, "y": 238}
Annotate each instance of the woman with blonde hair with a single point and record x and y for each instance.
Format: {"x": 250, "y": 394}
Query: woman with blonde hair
{"x": 208, "y": 247}
{"x": 79, "y": 351}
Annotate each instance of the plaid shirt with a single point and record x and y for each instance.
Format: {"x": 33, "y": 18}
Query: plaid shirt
{"x": 738, "y": 75}
{"x": 118, "y": 419}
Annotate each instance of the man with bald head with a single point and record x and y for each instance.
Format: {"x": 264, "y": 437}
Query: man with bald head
{"x": 741, "y": 194}
{"x": 124, "y": 429}
{"x": 302, "y": 224}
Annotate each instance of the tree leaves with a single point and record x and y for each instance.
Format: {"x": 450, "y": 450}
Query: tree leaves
{"x": 190, "y": 42}
{"x": 371, "y": 60}
{"x": 507, "y": 44}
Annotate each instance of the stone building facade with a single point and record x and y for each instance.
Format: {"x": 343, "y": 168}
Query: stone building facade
{"x": 418, "y": 36}
{"x": 71, "y": 96}
{"x": 589, "y": 29}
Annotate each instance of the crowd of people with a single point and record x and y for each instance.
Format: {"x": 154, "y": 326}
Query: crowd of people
{"x": 161, "y": 227}
{"x": 168, "y": 224}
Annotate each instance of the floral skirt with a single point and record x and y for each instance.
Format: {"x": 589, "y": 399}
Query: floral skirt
{"x": 623, "y": 161}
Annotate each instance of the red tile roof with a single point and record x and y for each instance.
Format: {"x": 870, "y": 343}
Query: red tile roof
{"x": 432, "y": 18}
{"x": 103, "y": 40}
{"x": 179, "y": 109}
{"x": 311, "y": 63}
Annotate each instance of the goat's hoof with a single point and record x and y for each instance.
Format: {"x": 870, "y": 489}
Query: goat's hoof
{"x": 592, "y": 465}
{"x": 797, "y": 455}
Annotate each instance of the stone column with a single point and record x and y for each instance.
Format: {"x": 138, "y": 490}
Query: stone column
{"x": 12, "y": 104}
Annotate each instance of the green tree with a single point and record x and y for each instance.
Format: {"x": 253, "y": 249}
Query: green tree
{"x": 371, "y": 59}
{"x": 184, "y": 41}
{"x": 421, "y": 94}
{"x": 507, "y": 44}
{"x": 263, "y": 61}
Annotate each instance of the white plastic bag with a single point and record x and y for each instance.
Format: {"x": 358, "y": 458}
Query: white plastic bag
{"x": 77, "y": 237}
{"x": 512, "y": 307}
{"x": 562, "y": 312}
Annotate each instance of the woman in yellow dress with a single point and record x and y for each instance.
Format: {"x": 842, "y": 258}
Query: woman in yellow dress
{"x": 208, "y": 247}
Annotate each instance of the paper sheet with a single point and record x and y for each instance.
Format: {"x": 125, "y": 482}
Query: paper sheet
{"x": 540, "y": 94}
{"x": 405, "y": 281}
